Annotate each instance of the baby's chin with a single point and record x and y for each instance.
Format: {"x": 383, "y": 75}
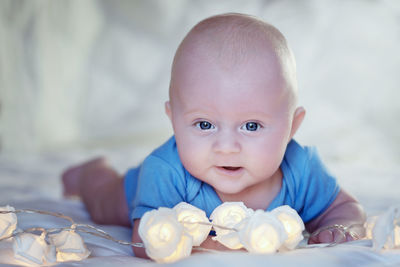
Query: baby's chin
{"x": 226, "y": 181}
{"x": 232, "y": 191}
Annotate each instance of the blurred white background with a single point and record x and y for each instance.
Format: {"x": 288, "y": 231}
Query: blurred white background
{"x": 79, "y": 78}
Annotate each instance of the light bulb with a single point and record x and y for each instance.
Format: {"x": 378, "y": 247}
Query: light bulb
{"x": 262, "y": 233}
{"x": 33, "y": 249}
{"x": 69, "y": 246}
{"x": 292, "y": 223}
{"x": 8, "y": 221}
{"x": 189, "y": 216}
{"x": 160, "y": 232}
{"x": 229, "y": 215}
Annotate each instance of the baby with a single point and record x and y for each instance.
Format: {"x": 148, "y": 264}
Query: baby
{"x": 233, "y": 108}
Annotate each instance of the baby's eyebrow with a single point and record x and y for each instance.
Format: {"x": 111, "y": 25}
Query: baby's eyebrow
{"x": 194, "y": 112}
{"x": 245, "y": 116}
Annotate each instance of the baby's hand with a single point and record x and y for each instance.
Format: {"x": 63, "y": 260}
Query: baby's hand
{"x": 332, "y": 234}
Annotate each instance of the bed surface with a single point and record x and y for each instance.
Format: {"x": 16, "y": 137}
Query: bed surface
{"x": 34, "y": 184}
{"x": 109, "y": 100}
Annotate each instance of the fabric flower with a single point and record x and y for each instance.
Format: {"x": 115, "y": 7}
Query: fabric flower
{"x": 33, "y": 249}
{"x": 69, "y": 246}
{"x": 163, "y": 236}
{"x": 191, "y": 214}
{"x": 230, "y": 215}
{"x": 8, "y": 221}
{"x": 292, "y": 223}
{"x": 369, "y": 225}
{"x": 385, "y": 234}
{"x": 230, "y": 240}
{"x": 183, "y": 250}
{"x": 262, "y": 233}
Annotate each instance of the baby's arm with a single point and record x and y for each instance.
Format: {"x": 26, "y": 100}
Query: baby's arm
{"x": 345, "y": 211}
{"x": 139, "y": 252}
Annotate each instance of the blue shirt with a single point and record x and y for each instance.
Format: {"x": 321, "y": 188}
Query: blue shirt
{"x": 162, "y": 181}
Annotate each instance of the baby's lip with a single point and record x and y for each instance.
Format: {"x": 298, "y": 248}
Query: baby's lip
{"x": 230, "y": 170}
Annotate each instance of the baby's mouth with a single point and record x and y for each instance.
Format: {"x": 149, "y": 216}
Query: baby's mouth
{"x": 230, "y": 168}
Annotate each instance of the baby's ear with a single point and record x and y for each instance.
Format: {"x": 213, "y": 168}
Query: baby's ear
{"x": 297, "y": 120}
{"x": 168, "y": 109}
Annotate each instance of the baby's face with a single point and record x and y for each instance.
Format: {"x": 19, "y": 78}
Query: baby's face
{"x": 231, "y": 124}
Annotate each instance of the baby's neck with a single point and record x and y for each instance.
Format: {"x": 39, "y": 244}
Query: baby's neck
{"x": 258, "y": 196}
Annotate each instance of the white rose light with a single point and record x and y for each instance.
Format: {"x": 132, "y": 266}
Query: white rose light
{"x": 369, "y": 225}
{"x": 396, "y": 241}
{"x": 8, "y": 221}
{"x": 192, "y": 215}
{"x": 163, "y": 236}
{"x": 183, "y": 250}
{"x": 69, "y": 246}
{"x": 262, "y": 233}
{"x": 33, "y": 249}
{"x": 292, "y": 223}
{"x": 229, "y": 215}
{"x": 385, "y": 232}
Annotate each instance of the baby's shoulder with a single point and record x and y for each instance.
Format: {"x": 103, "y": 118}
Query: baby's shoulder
{"x": 296, "y": 151}
{"x": 167, "y": 152}
{"x": 165, "y": 160}
{"x": 163, "y": 165}
{"x": 299, "y": 157}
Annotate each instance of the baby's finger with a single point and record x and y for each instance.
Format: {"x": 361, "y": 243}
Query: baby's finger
{"x": 325, "y": 236}
{"x": 313, "y": 239}
{"x": 350, "y": 236}
{"x": 339, "y": 236}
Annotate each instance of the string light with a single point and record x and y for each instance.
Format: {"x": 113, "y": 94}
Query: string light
{"x": 385, "y": 229}
{"x": 33, "y": 249}
{"x": 194, "y": 221}
{"x": 8, "y": 221}
{"x": 39, "y": 246}
{"x": 170, "y": 234}
{"x": 262, "y": 233}
{"x": 69, "y": 245}
{"x": 292, "y": 223}
{"x": 163, "y": 235}
{"x": 231, "y": 216}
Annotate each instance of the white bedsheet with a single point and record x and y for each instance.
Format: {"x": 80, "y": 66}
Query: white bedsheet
{"x": 34, "y": 184}
{"x": 348, "y": 63}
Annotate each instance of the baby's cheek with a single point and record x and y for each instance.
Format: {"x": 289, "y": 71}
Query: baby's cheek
{"x": 264, "y": 162}
{"x": 195, "y": 160}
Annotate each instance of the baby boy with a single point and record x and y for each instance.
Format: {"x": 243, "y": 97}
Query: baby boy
{"x": 233, "y": 108}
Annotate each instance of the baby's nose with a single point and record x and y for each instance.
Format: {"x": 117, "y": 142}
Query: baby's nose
{"x": 227, "y": 142}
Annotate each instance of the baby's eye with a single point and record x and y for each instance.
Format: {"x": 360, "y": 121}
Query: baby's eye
{"x": 251, "y": 126}
{"x": 204, "y": 125}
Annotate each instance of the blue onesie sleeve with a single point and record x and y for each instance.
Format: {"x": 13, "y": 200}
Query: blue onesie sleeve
{"x": 307, "y": 185}
{"x": 159, "y": 185}
{"x": 319, "y": 190}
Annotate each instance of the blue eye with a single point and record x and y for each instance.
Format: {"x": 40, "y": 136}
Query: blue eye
{"x": 251, "y": 126}
{"x": 204, "y": 125}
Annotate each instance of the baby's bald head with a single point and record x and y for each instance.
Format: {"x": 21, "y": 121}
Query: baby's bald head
{"x": 232, "y": 40}
{"x": 233, "y": 103}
